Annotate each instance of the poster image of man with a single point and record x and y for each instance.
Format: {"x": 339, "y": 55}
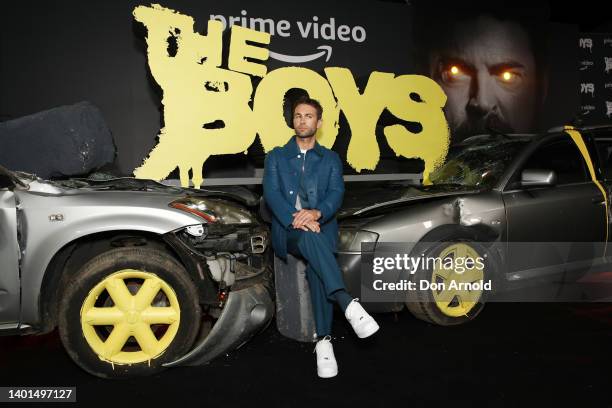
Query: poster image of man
{"x": 491, "y": 66}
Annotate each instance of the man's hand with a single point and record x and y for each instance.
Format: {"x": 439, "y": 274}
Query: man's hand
{"x": 311, "y": 226}
{"x": 303, "y": 216}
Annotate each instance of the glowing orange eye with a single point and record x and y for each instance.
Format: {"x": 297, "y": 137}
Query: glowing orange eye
{"x": 454, "y": 70}
{"x": 507, "y": 76}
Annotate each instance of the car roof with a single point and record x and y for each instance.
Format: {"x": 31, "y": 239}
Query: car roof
{"x": 496, "y": 137}
{"x": 526, "y": 137}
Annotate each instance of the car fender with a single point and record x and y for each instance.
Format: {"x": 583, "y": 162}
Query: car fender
{"x": 51, "y": 236}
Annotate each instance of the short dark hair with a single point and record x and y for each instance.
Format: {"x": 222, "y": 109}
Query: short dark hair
{"x": 305, "y": 100}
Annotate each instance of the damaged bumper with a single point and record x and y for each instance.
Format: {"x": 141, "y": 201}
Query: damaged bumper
{"x": 246, "y": 312}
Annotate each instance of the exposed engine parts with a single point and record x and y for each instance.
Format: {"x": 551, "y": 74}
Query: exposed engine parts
{"x": 231, "y": 252}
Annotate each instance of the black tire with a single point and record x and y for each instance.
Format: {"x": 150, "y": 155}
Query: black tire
{"x": 88, "y": 292}
{"x": 422, "y": 303}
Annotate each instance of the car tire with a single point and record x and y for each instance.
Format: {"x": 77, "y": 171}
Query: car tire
{"x": 128, "y": 311}
{"x": 448, "y": 308}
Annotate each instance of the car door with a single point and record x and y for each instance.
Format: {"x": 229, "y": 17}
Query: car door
{"x": 602, "y": 139}
{"x": 9, "y": 257}
{"x": 563, "y": 219}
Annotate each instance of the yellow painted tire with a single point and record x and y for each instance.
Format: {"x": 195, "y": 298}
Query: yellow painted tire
{"x": 128, "y": 311}
{"x": 449, "y": 307}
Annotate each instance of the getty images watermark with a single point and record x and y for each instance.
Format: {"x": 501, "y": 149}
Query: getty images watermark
{"x": 456, "y": 272}
{"x": 467, "y": 271}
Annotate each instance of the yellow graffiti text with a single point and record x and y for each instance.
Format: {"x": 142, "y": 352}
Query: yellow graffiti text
{"x": 207, "y": 111}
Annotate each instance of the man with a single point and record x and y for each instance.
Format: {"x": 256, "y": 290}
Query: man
{"x": 491, "y": 67}
{"x": 303, "y": 187}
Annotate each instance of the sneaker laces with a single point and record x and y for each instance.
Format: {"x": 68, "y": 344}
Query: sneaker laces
{"x": 327, "y": 338}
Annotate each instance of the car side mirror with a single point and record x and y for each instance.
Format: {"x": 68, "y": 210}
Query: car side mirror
{"x": 538, "y": 178}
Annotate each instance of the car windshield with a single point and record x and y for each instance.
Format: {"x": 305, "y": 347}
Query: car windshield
{"x": 479, "y": 161}
{"x": 9, "y": 178}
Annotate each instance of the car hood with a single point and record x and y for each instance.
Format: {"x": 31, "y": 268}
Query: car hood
{"x": 74, "y": 186}
{"x": 360, "y": 198}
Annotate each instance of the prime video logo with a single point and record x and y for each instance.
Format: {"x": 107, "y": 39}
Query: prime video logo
{"x": 586, "y": 64}
{"x": 325, "y": 30}
{"x": 587, "y": 109}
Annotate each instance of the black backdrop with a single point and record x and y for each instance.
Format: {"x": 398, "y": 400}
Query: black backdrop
{"x": 59, "y": 53}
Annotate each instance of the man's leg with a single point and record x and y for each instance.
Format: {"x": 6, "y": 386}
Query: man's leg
{"x": 321, "y": 280}
{"x": 322, "y": 308}
{"x": 316, "y": 249}
{"x": 318, "y": 252}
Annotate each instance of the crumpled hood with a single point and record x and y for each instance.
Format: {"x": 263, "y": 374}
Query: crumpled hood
{"x": 60, "y": 187}
{"x": 360, "y": 198}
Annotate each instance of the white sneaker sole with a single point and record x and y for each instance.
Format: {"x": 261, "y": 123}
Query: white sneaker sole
{"x": 368, "y": 329}
{"x": 327, "y": 373}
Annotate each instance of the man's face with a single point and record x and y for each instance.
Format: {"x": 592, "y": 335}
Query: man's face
{"x": 488, "y": 72}
{"x": 305, "y": 121}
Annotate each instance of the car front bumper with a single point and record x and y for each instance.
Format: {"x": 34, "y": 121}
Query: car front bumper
{"x": 246, "y": 312}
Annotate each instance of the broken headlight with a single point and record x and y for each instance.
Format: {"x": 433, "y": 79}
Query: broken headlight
{"x": 213, "y": 211}
{"x": 351, "y": 239}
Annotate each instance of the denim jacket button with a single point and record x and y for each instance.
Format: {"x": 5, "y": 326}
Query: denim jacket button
{"x": 291, "y": 192}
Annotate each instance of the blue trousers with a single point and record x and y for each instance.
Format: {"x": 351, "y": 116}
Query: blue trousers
{"x": 323, "y": 274}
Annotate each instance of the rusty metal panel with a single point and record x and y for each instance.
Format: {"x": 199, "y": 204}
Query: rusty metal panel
{"x": 294, "y": 316}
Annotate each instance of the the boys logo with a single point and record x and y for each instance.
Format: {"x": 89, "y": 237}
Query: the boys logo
{"x": 587, "y": 88}
{"x": 586, "y": 43}
{"x": 608, "y": 61}
{"x": 207, "y": 112}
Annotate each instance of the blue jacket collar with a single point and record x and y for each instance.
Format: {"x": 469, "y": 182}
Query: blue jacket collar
{"x": 291, "y": 148}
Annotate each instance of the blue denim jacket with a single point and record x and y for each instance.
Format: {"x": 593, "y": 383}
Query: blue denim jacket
{"x": 281, "y": 183}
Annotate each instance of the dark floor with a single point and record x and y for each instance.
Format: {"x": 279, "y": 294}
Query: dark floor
{"x": 511, "y": 355}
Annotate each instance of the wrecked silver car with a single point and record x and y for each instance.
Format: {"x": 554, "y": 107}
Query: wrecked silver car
{"x": 136, "y": 275}
{"x": 493, "y": 190}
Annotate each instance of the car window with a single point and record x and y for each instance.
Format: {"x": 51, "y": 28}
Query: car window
{"x": 561, "y": 156}
{"x": 603, "y": 143}
{"x": 479, "y": 161}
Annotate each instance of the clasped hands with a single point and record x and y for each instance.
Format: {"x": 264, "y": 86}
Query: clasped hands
{"x": 307, "y": 220}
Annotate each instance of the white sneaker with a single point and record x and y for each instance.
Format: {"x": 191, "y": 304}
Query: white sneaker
{"x": 363, "y": 324}
{"x": 326, "y": 361}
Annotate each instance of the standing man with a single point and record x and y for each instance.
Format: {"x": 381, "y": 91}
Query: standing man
{"x": 303, "y": 187}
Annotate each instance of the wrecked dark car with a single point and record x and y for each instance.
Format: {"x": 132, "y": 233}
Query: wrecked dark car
{"x": 493, "y": 190}
{"x": 136, "y": 275}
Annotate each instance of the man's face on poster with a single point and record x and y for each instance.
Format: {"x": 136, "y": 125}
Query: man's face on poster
{"x": 488, "y": 72}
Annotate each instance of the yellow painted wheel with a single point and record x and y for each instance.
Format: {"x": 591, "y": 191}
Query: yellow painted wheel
{"x": 456, "y": 292}
{"x": 454, "y": 297}
{"x": 128, "y": 311}
{"x": 143, "y": 323}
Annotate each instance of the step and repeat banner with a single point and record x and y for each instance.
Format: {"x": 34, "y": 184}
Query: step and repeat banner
{"x": 595, "y": 67}
{"x": 194, "y": 90}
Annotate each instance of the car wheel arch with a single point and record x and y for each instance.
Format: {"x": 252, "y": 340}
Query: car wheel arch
{"x": 66, "y": 261}
{"x": 480, "y": 232}
{"x": 447, "y": 232}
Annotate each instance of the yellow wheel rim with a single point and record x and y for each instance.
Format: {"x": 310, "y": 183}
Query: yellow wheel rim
{"x": 130, "y": 317}
{"x": 453, "y": 301}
